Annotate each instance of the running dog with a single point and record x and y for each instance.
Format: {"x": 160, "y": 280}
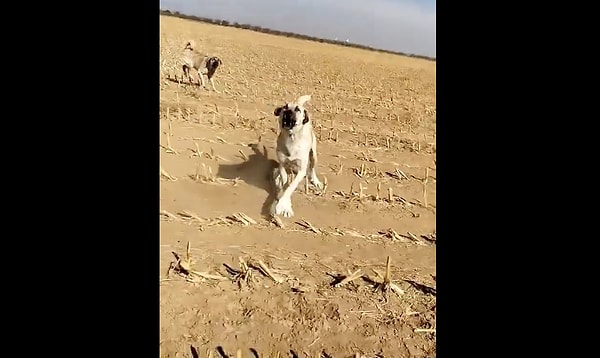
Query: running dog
{"x": 296, "y": 153}
{"x": 202, "y": 63}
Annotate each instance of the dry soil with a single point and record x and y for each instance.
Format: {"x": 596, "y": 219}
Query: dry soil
{"x": 375, "y": 119}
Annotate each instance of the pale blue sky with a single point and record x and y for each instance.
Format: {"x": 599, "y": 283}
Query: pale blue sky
{"x": 400, "y": 25}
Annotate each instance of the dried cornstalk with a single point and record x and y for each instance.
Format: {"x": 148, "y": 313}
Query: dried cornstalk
{"x": 244, "y": 275}
{"x": 210, "y": 176}
{"x": 197, "y": 175}
{"x": 401, "y": 173}
{"x": 308, "y": 226}
{"x": 424, "y": 330}
{"x": 163, "y": 173}
{"x": 182, "y": 265}
{"x": 189, "y": 215}
{"x": 169, "y": 215}
{"x": 277, "y": 221}
{"x": 351, "y": 277}
{"x": 425, "y": 186}
{"x": 414, "y": 238}
{"x": 268, "y": 272}
{"x": 341, "y": 167}
{"x": 387, "y": 281}
{"x": 197, "y": 152}
{"x": 247, "y": 218}
{"x": 393, "y": 235}
{"x": 242, "y": 218}
{"x": 208, "y": 276}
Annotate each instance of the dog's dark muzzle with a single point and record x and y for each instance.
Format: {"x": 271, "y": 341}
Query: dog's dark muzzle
{"x": 213, "y": 62}
{"x": 288, "y": 121}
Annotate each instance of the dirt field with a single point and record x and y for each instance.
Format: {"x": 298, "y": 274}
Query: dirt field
{"x": 375, "y": 119}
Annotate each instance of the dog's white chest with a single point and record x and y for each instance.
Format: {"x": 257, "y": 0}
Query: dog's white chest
{"x": 293, "y": 151}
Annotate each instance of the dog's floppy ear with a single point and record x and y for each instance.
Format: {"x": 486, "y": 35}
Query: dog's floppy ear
{"x": 277, "y": 111}
{"x": 306, "y": 119}
{"x": 303, "y": 99}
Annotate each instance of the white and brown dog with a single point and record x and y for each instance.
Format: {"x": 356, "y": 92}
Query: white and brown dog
{"x": 202, "y": 63}
{"x": 296, "y": 153}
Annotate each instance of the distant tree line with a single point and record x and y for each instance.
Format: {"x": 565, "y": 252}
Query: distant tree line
{"x": 283, "y": 33}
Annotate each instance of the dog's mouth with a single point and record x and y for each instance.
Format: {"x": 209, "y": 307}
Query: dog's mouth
{"x": 288, "y": 121}
{"x": 289, "y": 125}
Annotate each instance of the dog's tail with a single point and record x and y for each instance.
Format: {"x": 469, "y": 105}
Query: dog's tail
{"x": 303, "y": 99}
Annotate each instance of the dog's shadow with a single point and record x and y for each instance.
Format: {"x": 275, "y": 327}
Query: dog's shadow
{"x": 256, "y": 171}
{"x": 185, "y": 82}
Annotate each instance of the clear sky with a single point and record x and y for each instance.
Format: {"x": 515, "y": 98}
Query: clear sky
{"x": 406, "y": 26}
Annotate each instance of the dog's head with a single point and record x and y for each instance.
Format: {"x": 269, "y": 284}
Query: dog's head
{"x": 213, "y": 62}
{"x": 293, "y": 114}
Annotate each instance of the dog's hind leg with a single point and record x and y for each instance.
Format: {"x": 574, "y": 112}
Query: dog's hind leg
{"x": 312, "y": 165}
{"x": 186, "y": 73}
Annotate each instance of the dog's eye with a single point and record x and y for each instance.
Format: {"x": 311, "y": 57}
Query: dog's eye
{"x": 297, "y": 109}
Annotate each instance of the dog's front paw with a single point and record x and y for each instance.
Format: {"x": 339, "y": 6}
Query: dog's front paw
{"x": 284, "y": 208}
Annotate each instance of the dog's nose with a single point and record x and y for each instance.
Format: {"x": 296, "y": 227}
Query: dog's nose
{"x": 288, "y": 119}
{"x": 287, "y": 115}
